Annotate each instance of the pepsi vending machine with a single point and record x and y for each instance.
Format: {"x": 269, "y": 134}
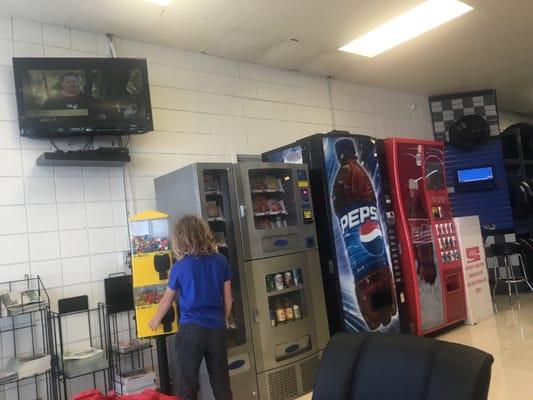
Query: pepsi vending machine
{"x": 431, "y": 261}
{"x": 355, "y": 229}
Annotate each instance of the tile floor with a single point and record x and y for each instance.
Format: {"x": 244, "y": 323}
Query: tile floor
{"x": 508, "y": 336}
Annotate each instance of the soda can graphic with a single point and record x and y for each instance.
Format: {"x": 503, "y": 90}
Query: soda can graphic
{"x": 297, "y": 276}
{"x": 278, "y": 282}
{"x": 288, "y": 279}
{"x": 271, "y": 286}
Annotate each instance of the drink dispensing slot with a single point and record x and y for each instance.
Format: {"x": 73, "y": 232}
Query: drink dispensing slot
{"x": 455, "y": 301}
{"x": 453, "y": 282}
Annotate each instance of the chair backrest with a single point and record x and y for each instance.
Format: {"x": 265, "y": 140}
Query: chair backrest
{"x": 376, "y": 366}
{"x": 505, "y": 249}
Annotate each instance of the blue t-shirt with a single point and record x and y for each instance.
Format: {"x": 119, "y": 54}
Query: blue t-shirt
{"x": 200, "y": 283}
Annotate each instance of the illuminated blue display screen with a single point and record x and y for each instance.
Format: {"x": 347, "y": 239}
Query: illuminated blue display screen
{"x": 474, "y": 174}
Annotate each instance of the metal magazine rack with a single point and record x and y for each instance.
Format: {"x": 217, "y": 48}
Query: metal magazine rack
{"x": 82, "y": 350}
{"x": 132, "y": 359}
{"x": 26, "y": 342}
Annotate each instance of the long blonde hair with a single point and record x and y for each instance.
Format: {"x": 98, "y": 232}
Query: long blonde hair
{"x": 192, "y": 236}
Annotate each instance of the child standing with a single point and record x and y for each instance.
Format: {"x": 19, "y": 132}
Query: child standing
{"x": 201, "y": 281}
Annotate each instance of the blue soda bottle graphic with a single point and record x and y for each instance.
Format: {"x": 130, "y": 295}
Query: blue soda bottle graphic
{"x": 355, "y": 204}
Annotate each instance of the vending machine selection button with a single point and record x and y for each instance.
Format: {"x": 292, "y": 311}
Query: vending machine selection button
{"x": 302, "y": 174}
{"x": 308, "y": 216}
{"x": 303, "y": 184}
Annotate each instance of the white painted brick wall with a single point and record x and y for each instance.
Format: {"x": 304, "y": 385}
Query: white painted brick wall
{"x": 68, "y": 224}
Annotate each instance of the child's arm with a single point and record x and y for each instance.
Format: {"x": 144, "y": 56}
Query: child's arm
{"x": 228, "y": 299}
{"x": 162, "y": 308}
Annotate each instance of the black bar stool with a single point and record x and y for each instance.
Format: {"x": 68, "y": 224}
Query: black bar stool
{"x": 507, "y": 250}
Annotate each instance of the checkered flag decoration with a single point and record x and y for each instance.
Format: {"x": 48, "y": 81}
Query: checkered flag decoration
{"x": 449, "y": 108}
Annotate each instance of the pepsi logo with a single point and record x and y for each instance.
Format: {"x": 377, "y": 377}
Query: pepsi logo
{"x": 371, "y": 237}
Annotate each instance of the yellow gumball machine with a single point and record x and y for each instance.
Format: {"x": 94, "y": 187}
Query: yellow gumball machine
{"x": 151, "y": 264}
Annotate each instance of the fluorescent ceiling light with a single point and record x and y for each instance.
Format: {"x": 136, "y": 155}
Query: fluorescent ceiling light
{"x": 422, "y": 18}
{"x": 160, "y": 2}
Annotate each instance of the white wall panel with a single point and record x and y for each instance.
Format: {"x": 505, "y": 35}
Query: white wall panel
{"x": 205, "y": 108}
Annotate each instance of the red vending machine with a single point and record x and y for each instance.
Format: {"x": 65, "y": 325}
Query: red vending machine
{"x": 430, "y": 257}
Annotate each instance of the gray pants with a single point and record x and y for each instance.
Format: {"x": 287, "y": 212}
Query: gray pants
{"x": 194, "y": 343}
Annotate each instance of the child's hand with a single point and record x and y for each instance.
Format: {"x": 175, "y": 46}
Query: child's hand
{"x": 153, "y": 324}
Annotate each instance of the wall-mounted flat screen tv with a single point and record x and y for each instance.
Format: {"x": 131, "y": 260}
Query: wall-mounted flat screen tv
{"x": 82, "y": 96}
{"x": 473, "y": 179}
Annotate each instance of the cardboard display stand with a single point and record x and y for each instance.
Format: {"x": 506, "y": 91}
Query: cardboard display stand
{"x": 478, "y": 297}
{"x": 151, "y": 263}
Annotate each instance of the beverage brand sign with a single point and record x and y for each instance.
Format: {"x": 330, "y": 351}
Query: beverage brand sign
{"x": 477, "y": 290}
{"x": 361, "y": 244}
{"x": 473, "y": 254}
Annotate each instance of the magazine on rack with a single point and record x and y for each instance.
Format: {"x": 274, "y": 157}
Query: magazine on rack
{"x": 82, "y": 354}
{"x": 134, "y": 381}
{"x": 131, "y": 345}
{"x": 28, "y": 366}
{"x": 7, "y": 376}
{"x": 17, "y": 302}
{"x": 84, "y": 361}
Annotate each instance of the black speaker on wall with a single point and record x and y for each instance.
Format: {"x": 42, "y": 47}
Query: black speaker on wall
{"x": 469, "y": 132}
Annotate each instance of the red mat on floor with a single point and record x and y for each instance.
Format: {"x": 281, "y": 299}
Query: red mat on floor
{"x": 148, "y": 394}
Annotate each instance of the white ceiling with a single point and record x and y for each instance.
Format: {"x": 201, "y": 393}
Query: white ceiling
{"x": 486, "y": 48}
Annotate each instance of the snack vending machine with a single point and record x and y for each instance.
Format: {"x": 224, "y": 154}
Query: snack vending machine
{"x": 282, "y": 267}
{"x": 208, "y": 190}
{"x": 431, "y": 260}
{"x": 356, "y": 233}
{"x": 264, "y": 223}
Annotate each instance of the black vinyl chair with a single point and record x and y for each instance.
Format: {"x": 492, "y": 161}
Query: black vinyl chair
{"x": 377, "y": 366}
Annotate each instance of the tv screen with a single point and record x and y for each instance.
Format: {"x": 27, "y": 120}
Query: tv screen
{"x": 82, "y": 96}
{"x": 474, "y": 174}
{"x": 291, "y": 155}
{"x": 474, "y": 179}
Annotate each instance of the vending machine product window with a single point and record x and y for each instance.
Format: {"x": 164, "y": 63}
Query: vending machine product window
{"x": 146, "y": 300}
{"x": 149, "y": 236}
{"x": 272, "y": 198}
{"x": 435, "y": 175}
{"x": 286, "y": 297}
{"x": 219, "y": 217}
